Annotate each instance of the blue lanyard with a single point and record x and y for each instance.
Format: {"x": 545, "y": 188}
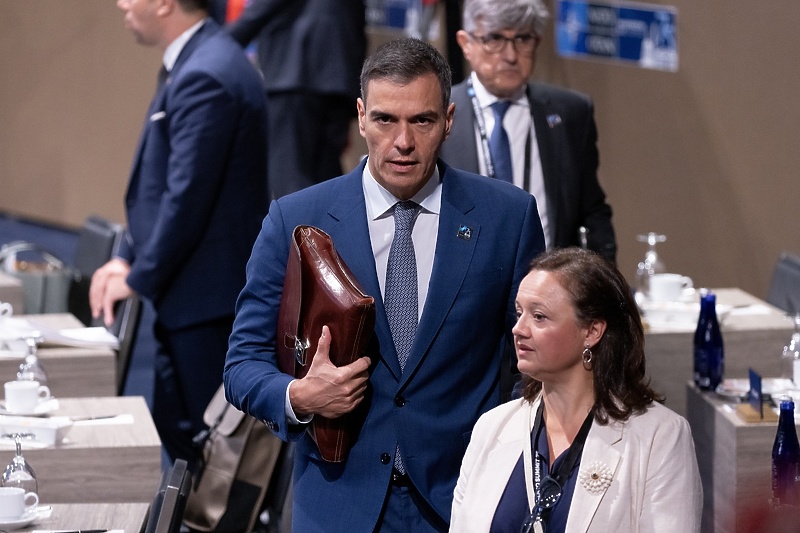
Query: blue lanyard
{"x": 487, "y": 155}
{"x": 575, "y": 450}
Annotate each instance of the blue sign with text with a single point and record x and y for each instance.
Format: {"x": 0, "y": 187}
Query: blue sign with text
{"x": 637, "y": 34}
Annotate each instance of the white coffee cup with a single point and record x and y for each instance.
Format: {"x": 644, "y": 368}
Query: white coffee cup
{"x": 14, "y": 501}
{"x": 6, "y": 311}
{"x": 22, "y": 396}
{"x": 668, "y": 287}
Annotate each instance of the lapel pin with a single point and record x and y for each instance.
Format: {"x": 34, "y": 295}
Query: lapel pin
{"x": 157, "y": 116}
{"x": 464, "y": 232}
{"x": 553, "y": 120}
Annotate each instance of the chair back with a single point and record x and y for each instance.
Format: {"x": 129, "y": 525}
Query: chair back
{"x": 126, "y": 326}
{"x": 784, "y": 289}
{"x": 166, "y": 510}
{"x": 98, "y": 240}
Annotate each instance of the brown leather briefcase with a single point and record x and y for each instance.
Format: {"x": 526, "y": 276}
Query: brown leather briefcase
{"x": 320, "y": 290}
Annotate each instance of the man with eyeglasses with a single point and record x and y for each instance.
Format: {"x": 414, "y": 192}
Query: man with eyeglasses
{"x": 547, "y": 142}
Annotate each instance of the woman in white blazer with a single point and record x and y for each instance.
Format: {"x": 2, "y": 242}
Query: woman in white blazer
{"x": 588, "y": 448}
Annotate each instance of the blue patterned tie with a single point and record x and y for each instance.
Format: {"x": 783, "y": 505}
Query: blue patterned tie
{"x": 499, "y": 145}
{"x": 400, "y": 292}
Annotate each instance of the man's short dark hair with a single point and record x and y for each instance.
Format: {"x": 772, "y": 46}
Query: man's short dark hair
{"x": 403, "y": 61}
{"x": 194, "y": 5}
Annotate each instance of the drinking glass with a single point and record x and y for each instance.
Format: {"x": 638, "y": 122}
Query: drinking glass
{"x": 790, "y": 360}
{"x": 31, "y": 368}
{"x": 19, "y": 472}
{"x": 652, "y": 264}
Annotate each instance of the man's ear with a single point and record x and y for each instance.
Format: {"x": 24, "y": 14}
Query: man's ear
{"x": 448, "y": 119}
{"x": 165, "y": 7}
{"x": 463, "y": 39}
{"x": 362, "y": 116}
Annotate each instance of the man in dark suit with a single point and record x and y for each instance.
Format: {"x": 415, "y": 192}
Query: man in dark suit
{"x": 195, "y": 201}
{"x": 310, "y": 53}
{"x": 431, "y": 369}
{"x": 550, "y": 131}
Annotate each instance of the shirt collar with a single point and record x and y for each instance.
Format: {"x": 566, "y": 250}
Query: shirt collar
{"x": 380, "y": 201}
{"x": 175, "y": 47}
{"x": 485, "y": 98}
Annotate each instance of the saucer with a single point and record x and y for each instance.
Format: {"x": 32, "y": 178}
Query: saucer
{"x": 45, "y": 406}
{"x": 13, "y": 354}
{"x": 27, "y": 517}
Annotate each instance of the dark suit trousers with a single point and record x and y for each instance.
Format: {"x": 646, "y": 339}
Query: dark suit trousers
{"x": 405, "y": 510}
{"x": 306, "y": 137}
{"x": 188, "y": 371}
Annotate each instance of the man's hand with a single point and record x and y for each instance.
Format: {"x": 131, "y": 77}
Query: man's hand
{"x": 107, "y": 288}
{"x": 328, "y": 390}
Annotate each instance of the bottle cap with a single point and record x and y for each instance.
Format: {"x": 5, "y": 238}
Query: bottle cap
{"x": 787, "y": 404}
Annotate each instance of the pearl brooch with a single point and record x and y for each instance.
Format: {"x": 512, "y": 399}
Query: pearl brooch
{"x": 595, "y": 477}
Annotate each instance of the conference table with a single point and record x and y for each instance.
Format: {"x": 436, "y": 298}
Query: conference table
{"x": 127, "y": 517}
{"x": 72, "y": 371}
{"x": 753, "y": 331}
{"x": 734, "y": 456}
{"x": 111, "y": 453}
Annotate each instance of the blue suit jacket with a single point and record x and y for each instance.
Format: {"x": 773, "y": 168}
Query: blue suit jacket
{"x": 198, "y": 187}
{"x": 452, "y": 374}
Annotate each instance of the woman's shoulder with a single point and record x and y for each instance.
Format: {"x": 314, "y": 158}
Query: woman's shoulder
{"x": 510, "y": 414}
{"x": 508, "y": 408}
{"x": 657, "y": 417}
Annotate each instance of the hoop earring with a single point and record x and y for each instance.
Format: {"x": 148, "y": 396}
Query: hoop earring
{"x": 587, "y": 358}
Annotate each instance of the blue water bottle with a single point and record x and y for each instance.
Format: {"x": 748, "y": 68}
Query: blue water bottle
{"x": 785, "y": 458}
{"x": 708, "y": 350}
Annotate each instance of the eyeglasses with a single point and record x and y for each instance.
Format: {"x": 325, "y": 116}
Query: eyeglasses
{"x": 549, "y": 494}
{"x": 494, "y": 43}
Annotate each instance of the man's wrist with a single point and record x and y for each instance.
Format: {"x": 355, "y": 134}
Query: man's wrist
{"x": 291, "y": 415}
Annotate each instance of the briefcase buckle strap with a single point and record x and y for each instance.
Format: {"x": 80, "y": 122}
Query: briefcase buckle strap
{"x": 300, "y": 347}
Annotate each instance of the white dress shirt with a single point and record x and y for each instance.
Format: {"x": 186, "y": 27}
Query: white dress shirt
{"x": 380, "y": 218}
{"x": 174, "y": 48}
{"x": 518, "y": 123}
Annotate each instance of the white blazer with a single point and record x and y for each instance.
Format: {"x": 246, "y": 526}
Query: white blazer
{"x": 655, "y": 484}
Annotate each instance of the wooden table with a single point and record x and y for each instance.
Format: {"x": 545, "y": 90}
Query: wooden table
{"x": 129, "y": 517}
{"x": 99, "y": 461}
{"x": 751, "y": 340}
{"x": 734, "y": 457}
{"x": 71, "y": 372}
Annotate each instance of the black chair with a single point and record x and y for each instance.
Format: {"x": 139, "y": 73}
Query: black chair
{"x": 784, "y": 289}
{"x": 166, "y": 510}
{"x": 125, "y": 327}
{"x": 98, "y": 240}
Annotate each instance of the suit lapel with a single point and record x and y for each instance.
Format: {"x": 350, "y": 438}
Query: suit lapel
{"x": 549, "y": 153}
{"x": 350, "y": 234}
{"x": 602, "y": 448}
{"x": 158, "y": 103}
{"x": 452, "y": 259}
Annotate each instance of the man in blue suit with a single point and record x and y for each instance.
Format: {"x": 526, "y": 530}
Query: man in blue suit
{"x": 195, "y": 201}
{"x": 472, "y": 241}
